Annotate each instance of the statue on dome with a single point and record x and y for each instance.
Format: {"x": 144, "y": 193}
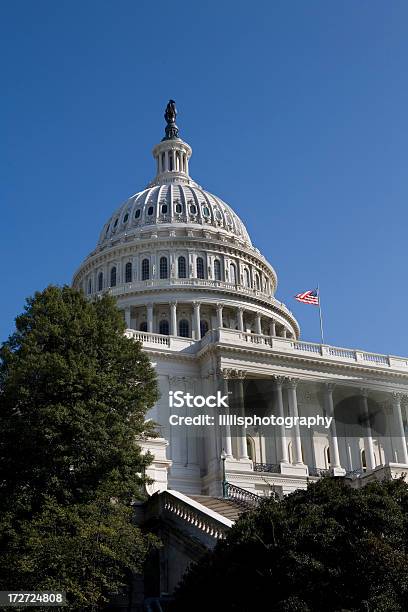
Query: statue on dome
{"x": 170, "y": 117}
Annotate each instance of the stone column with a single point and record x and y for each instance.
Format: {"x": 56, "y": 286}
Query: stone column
{"x": 402, "y": 442}
{"x": 284, "y": 455}
{"x": 258, "y": 327}
{"x": 336, "y": 468}
{"x": 242, "y": 445}
{"x": 293, "y": 407}
{"x": 197, "y": 320}
{"x": 173, "y": 318}
{"x": 240, "y": 317}
{"x": 149, "y": 308}
{"x": 284, "y": 332}
{"x": 272, "y": 328}
{"x": 368, "y": 441}
{"x": 227, "y": 442}
{"x": 127, "y": 317}
{"x": 219, "y": 315}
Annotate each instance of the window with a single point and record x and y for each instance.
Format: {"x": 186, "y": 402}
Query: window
{"x": 182, "y": 269}
{"x": 137, "y": 213}
{"x": 327, "y": 457}
{"x": 100, "y": 281}
{"x": 113, "y": 277}
{"x": 217, "y": 269}
{"x": 171, "y": 161}
{"x": 200, "y": 267}
{"x": 150, "y": 211}
{"x": 203, "y": 328}
{"x": 250, "y": 447}
{"x": 128, "y": 272}
{"x": 257, "y": 282}
{"x": 116, "y": 222}
{"x": 179, "y": 208}
{"x": 233, "y": 275}
{"x": 363, "y": 461}
{"x": 143, "y": 326}
{"x": 126, "y": 217}
{"x": 184, "y": 328}
{"x": 164, "y": 209}
{"x": 206, "y": 211}
{"x": 145, "y": 269}
{"x": 164, "y": 268}
{"x": 164, "y": 328}
{"x": 218, "y": 215}
{"x": 162, "y": 161}
{"x": 90, "y": 285}
{"x": 247, "y": 278}
{"x": 107, "y": 230}
{"x": 193, "y": 209}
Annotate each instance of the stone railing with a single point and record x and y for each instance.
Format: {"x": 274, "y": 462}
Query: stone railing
{"x": 314, "y": 471}
{"x": 273, "y": 468}
{"x": 242, "y": 497}
{"x": 174, "y": 343}
{"x": 191, "y": 512}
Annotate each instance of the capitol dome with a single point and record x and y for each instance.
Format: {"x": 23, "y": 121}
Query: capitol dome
{"x": 180, "y": 260}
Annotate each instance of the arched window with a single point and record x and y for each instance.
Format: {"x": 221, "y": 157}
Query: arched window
{"x": 233, "y": 274}
{"x": 90, "y": 285}
{"x": 182, "y": 269}
{"x": 128, "y": 272}
{"x": 257, "y": 282}
{"x": 327, "y": 457}
{"x": 203, "y": 328}
{"x": 113, "y": 277}
{"x": 100, "y": 281}
{"x": 200, "y": 267}
{"x": 164, "y": 268}
{"x": 164, "y": 327}
{"x": 184, "y": 328}
{"x": 247, "y": 278}
{"x": 145, "y": 269}
{"x": 143, "y": 326}
{"x": 179, "y": 208}
{"x": 217, "y": 269}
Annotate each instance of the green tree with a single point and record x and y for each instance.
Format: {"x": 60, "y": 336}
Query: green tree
{"x": 74, "y": 392}
{"x": 328, "y": 549}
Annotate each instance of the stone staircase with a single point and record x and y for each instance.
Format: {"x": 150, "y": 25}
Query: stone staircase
{"x": 228, "y": 508}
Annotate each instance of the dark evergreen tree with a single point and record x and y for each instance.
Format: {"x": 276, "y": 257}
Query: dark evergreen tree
{"x": 74, "y": 392}
{"x": 328, "y": 549}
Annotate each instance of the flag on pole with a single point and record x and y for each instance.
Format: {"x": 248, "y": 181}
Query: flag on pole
{"x": 308, "y": 297}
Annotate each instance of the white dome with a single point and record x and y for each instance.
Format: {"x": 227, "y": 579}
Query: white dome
{"x": 173, "y": 203}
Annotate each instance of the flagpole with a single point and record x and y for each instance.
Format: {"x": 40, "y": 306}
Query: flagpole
{"x": 320, "y": 313}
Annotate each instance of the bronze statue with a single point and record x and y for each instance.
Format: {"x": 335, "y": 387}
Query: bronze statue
{"x": 171, "y": 112}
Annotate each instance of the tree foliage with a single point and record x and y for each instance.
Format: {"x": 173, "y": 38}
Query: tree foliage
{"x": 330, "y": 548}
{"x": 74, "y": 392}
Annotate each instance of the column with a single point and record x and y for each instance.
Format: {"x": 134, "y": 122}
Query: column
{"x": 242, "y": 445}
{"x": 293, "y": 407}
{"x": 227, "y": 442}
{"x": 284, "y": 332}
{"x": 333, "y": 442}
{"x": 127, "y": 317}
{"x": 368, "y": 441}
{"x": 283, "y": 441}
{"x": 219, "y": 315}
{"x": 240, "y": 317}
{"x": 272, "y": 328}
{"x": 402, "y": 443}
{"x": 173, "y": 318}
{"x": 149, "y": 308}
{"x": 197, "y": 330}
{"x": 258, "y": 327}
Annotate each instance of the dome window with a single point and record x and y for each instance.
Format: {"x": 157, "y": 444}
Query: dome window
{"x": 206, "y": 211}
{"x": 128, "y": 272}
{"x": 126, "y": 217}
{"x": 137, "y": 213}
{"x": 218, "y": 215}
{"x": 179, "y": 208}
{"x": 164, "y": 268}
{"x": 107, "y": 230}
{"x": 182, "y": 268}
{"x": 200, "y": 267}
{"x": 233, "y": 274}
{"x": 116, "y": 222}
{"x": 193, "y": 209}
{"x": 217, "y": 270}
{"x": 164, "y": 209}
{"x": 113, "y": 277}
{"x": 145, "y": 269}
{"x": 184, "y": 328}
{"x": 100, "y": 281}
{"x": 150, "y": 211}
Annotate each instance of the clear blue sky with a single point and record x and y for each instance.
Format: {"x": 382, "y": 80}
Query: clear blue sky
{"x": 296, "y": 112}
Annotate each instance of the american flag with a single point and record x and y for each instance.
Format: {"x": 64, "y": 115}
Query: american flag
{"x": 308, "y": 297}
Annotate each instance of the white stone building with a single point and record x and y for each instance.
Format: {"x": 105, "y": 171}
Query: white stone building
{"x": 201, "y": 298}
